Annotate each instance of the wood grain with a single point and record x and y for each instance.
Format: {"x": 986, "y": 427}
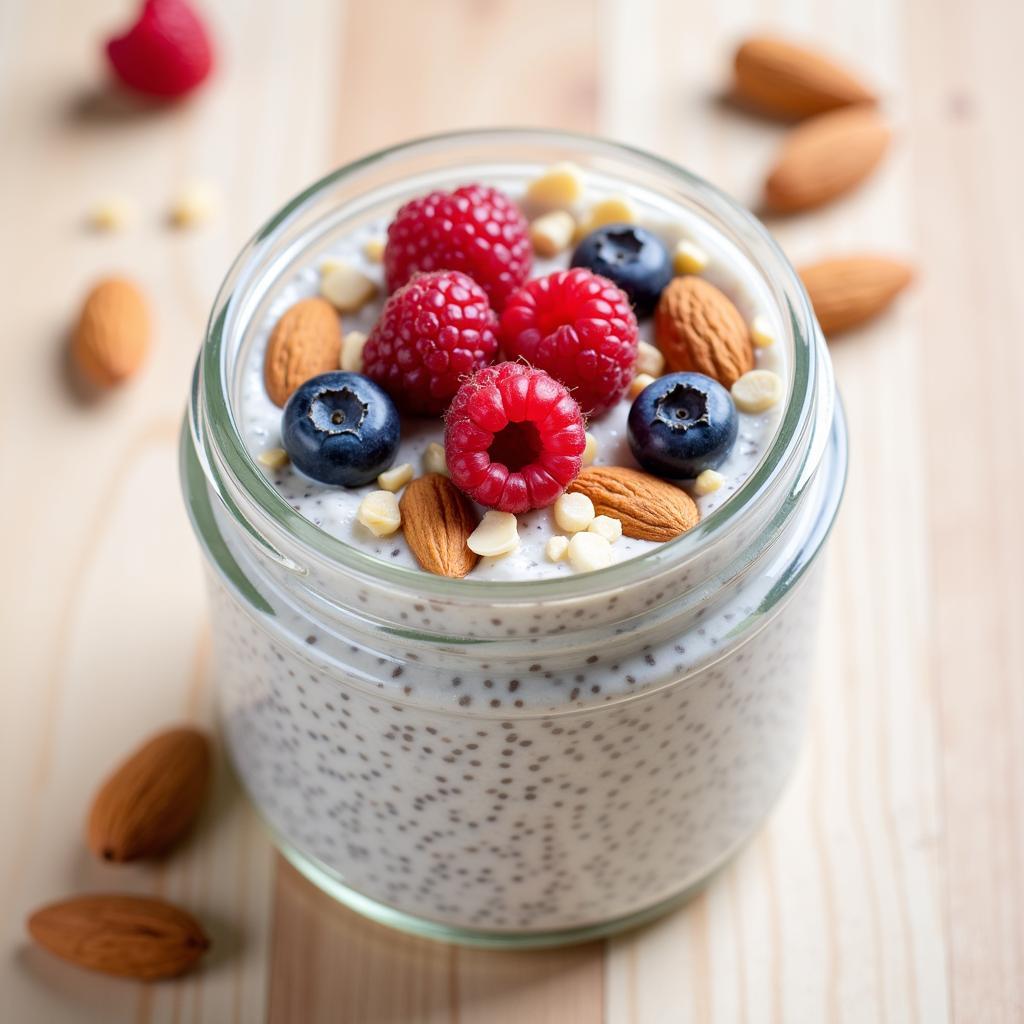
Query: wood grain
{"x": 889, "y": 882}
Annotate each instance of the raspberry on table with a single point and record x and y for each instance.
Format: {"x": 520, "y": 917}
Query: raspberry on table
{"x": 514, "y": 438}
{"x": 166, "y": 53}
{"x": 432, "y": 333}
{"x": 580, "y": 328}
{"x": 475, "y": 229}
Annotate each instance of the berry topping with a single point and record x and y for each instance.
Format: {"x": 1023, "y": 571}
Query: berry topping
{"x": 341, "y": 429}
{"x": 632, "y": 257}
{"x": 514, "y": 438}
{"x": 681, "y": 425}
{"x": 166, "y": 53}
{"x": 579, "y": 328}
{"x": 432, "y": 333}
{"x": 475, "y": 229}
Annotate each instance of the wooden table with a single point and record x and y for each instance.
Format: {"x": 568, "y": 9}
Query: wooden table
{"x": 889, "y": 884}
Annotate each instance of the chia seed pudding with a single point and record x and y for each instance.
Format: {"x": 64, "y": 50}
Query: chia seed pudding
{"x": 530, "y": 754}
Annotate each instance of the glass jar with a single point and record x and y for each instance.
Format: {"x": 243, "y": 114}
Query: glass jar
{"x": 511, "y": 763}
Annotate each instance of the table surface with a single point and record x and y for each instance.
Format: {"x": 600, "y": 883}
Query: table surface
{"x": 889, "y": 883}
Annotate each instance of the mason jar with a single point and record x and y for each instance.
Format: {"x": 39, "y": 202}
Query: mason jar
{"x": 511, "y": 763}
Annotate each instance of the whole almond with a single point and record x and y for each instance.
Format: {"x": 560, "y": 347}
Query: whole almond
{"x": 847, "y": 291}
{"x": 698, "y": 328}
{"x": 782, "y": 79}
{"x": 437, "y": 519}
{"x": 131, "y": 936}
{"x": 112, "y": 336}
{"x": 152, "y": 799}
{"x": 306, "y": 341}
{"x": 824, "y": 157}
{"x": 648, "y": 508}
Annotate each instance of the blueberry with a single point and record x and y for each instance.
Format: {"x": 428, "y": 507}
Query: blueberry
{"x": 681, "y": 425}
{"x": 340, "y": 429}
{"x": 634, "y": 258}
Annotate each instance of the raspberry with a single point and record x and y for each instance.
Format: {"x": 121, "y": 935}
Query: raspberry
{"x": 580, "y": 328}
{"x": 433, "y": 332}
{"x": 167, "y": 51}
{"x": 513, "y": 438}
{"x": 475, "y": 229}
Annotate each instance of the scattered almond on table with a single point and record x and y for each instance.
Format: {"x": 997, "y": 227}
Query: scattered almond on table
{"x": 847, "y": 291}
{"x": 137, "y": 937}
{"x": 112, "y": 337}
{"x": 142, "y": 810}
{"x": 152, "y": 799}
{"x": 783, "y": 79}
{"x": 825, "y": 157}
{"x": 836, "y": 148}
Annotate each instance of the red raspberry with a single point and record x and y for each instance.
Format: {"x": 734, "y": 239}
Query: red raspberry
{"x": 167, "y": 52}
{"x": 432, "y": 333}
{"x": 580, "y": 328}
{"x": 513, "y": 438}
{"x": 475, "y": 229}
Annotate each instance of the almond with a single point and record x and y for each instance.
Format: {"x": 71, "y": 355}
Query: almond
{"x": 131, "y": 936}
{"x": 437, "y": 519}
{"x": 825, "y": 157}
{"x": 648, "y": 508}
{"x": 847, "y": 291}
{"x": 306, "y": 342}
{"x": 778, "y": 77}
{"x": 151, "y": 800}
{"x": 698, "y": 328}
{"x": 112, "y": 336}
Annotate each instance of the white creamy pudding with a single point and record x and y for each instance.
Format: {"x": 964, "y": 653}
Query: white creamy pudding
{"x": 529, "y": 753}
{"x": 334, "y": 509}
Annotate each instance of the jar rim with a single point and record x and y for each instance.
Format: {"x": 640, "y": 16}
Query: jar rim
{"x": 269, "y": 519}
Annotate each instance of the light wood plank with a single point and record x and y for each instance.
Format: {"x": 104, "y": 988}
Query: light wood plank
{"x": 965, "y": 78}
{"x": 888, "y": 883}
{"x": 102, "y": 605}
{"x": 835, "y": 912}
{"x": 439, "y": 47}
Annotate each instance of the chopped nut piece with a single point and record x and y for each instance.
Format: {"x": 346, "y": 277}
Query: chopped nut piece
{"x": 352, "y": 351}
{"x": 379, "y": 513}
{"x": 574, "y": 512}
{"x": 590, "y": 451}
{"x": 608, "y": 527}
{"x": 552, "y": 233}
{"x": 761, "y": 332}
{"x": 708, "y": 482}
{"x": 113, "y": 213}
{"x": 346, "y": 288}
{"x": 639, "y": 382}
{"x": 560, "y": 185}
{"x": 613, "y": 210}
{"x": 497, "y": 534}
{"x": 556, "y": 548}
{"x": 757, "y": 390}
{"x": 195, "y": 204}
{"x": 589, "y": 551}
{"x": 274, "y": 458}
{"x": 689, "y": 258}
{"x": 649, "y": 360}
{"x": 373, "y": 249}
{"x": 434, "y": 460}
{"x": 395, "y": 479}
